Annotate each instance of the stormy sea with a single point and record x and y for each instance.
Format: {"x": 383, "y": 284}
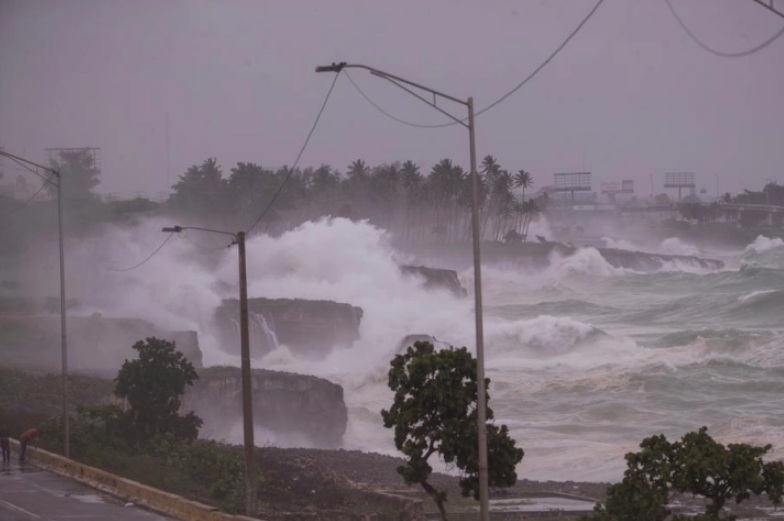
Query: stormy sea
{"x": 585, "y": 359}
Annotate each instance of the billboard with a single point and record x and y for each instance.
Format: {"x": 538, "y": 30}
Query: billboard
{"x": 571, "y": 182}
{"x": 617, "y": 187}
{"x": 679, "y": 180}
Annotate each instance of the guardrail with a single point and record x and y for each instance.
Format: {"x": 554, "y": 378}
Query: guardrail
{"x": 129, "y": 490}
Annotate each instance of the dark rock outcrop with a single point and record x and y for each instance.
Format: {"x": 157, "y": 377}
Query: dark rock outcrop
{"x": 308, "y": 327}
{"x": 538, "y": 255}
{"x": 95, "y": 343}
{"x": 436, "y": 278}
{"x": 641, "y": 261}
{"x": 300, "y": 408}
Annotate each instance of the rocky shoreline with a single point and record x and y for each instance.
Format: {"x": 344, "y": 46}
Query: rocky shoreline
{"x": 314, "y": 480}
{"x": 309, "y": 480}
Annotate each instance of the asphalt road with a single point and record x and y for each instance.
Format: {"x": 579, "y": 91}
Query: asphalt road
{"x": 29, "y": 493}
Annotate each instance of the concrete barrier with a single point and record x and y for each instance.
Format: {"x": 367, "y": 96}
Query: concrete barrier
{"x": 158, "y": 500}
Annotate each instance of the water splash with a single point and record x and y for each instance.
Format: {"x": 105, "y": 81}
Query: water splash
{"x": 262, "y": 336}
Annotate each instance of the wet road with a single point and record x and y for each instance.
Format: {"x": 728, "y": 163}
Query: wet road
{"x": 30, "y": 493}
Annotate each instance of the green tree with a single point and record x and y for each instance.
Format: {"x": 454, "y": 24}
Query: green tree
{"x": 434, "y": 412}
{"x": 201, "y": 191}
{"x": 523, "y": 179}
{"x": 153, "y": 384}
{"x": 697, "y": 465}
{"x": 78, "y": 172}
{"x": 250, "y": 188}
{"x": 527, "y": 211}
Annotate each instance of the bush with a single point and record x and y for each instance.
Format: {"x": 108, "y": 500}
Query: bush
{"x": 697, "y": 465}
{"x": 153, "y": 385}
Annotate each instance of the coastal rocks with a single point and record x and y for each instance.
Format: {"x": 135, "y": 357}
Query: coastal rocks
{"x": 435, "y": 278}
{"x": 539, "y": 255}
{"x": 641, "y": 261}
{"x": 96, "y": 343}
{"x": 307, "y": 327}
{"x": 294, "y": 409}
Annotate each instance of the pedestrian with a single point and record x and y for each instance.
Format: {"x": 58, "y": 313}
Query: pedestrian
{"x": 24, "y": 439}
{"x": 5, "y": 446}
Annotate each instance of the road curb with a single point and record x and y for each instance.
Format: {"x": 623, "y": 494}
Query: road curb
{"x": 133, "y": 491}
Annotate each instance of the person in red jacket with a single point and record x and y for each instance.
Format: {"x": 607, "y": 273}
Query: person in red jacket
{"x": 24, "y": 439}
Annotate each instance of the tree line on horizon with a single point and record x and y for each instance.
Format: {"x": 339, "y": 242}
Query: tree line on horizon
{"x": 396, "y": 196}
{"x": 416, "y": 206}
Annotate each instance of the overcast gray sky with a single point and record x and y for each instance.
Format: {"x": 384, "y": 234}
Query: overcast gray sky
{"x": 630, "y": 97}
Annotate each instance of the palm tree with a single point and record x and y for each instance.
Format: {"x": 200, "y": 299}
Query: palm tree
{"x": 411, "y": 181}
{"x": 357, "y": 169}
{"x": 490, "y": 166}
{"x": 384, "y": 192}
{"x": 530, "y": 209}
{"x": 444, "y": 186}
{"x": 355, "y": 188}
{"x": 409, "y": 175}
{"x": 524, "y": 179}
{"x": 502, "y": 197}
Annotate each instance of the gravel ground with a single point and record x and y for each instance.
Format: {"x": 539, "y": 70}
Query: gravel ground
{"x": 313, "y": 480}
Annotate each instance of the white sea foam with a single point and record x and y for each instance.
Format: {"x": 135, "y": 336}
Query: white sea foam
{"x": 762, "y": 244}
{"x": 754, "y": 294}
{"x": 675, "y": 246}
{"x": 621, "y": 244}
{"x": 685, "y": 266}
{"x": 544, "y": 336}
{"x": 577, "y": 394}
{"x": 585, "y": 261}
{"x": 539, "y": 226}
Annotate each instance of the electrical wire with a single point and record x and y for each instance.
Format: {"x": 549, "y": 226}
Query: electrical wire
{"x": 28, "y": 168}
{"x": 153, "y": 254}
{"x": 502, "y": 98}
{"x": 380, "y": 109}
{"x": 201, "y": 247}
{"x": 296, "y": 161}
{"x": 714, "y": 51}
{"x": 28, "y": 201}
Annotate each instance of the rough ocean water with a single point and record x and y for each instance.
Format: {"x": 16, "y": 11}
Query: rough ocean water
{"x": 585, "y": 359}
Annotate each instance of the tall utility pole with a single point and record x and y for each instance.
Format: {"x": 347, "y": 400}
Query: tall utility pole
{"x": 168, "y": 180}
{"x": 247, "y": 398}
{"x": 481, "y": 406}
{"x": 247, "y": 403}
{"x": 63, "y": 336}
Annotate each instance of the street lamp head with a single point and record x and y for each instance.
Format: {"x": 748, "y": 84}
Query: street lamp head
{"x": 335, "y": 67}
{"x": 172, "y": 229}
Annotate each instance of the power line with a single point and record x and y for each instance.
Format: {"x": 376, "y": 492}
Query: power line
{"x": 502, "y": 98}
{"x": 714, "y": 51}
{"x": 201, "y": 247}
{"x": 28, "y": 201}
{"x": 153, "y": 254}
{"x": 380, "y": 109}
{"x": 544, "y": 63}
{"x": 296, "y": 161}
{"x": 24, "y": 165}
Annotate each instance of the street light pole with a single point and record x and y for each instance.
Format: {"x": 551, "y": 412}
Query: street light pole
{"x": 481, "y": 406}
{"x": 247, "y": 405}
{"x": 63, "y": 337}
{"x": 247, "y": 398}
{"x": 481, "y": 391}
